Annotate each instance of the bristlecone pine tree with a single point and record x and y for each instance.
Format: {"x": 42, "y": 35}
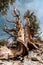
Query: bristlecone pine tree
{"x": 22, "y": 34}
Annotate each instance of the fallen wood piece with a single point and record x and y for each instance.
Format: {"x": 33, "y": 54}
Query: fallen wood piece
{"x": 7, "y": 53}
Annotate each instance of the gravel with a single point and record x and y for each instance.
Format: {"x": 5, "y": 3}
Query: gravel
{"x": 35, "y": 57}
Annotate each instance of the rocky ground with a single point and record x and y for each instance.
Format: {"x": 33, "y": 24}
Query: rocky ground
{"x": 35, "y": 57}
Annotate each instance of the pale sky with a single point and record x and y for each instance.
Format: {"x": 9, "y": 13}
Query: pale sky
{"x": 32, "y": 5}
{"x": 23, "y": 5}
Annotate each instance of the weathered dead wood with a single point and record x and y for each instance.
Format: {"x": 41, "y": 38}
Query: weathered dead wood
{"x": 20, "y": 50}
{"x": 28, "y": 36}
{"x": 32, "y": 42}
{"x": 6, "y": 53}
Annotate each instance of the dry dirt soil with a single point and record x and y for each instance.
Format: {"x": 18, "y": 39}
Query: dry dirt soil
{"x": 35, "y": 57}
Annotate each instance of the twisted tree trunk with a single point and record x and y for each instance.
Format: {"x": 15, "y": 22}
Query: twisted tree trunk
{"x": 23, "y": 36}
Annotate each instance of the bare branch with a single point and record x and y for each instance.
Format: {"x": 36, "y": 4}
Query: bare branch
{"x": 8, "y": 31}
{"x": 10, "y": 21}
{"x": 16, "y": 12}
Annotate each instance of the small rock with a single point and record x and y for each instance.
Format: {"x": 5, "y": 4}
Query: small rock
{"x": 37, "y": 58}
{"x": 17, "y": 63}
